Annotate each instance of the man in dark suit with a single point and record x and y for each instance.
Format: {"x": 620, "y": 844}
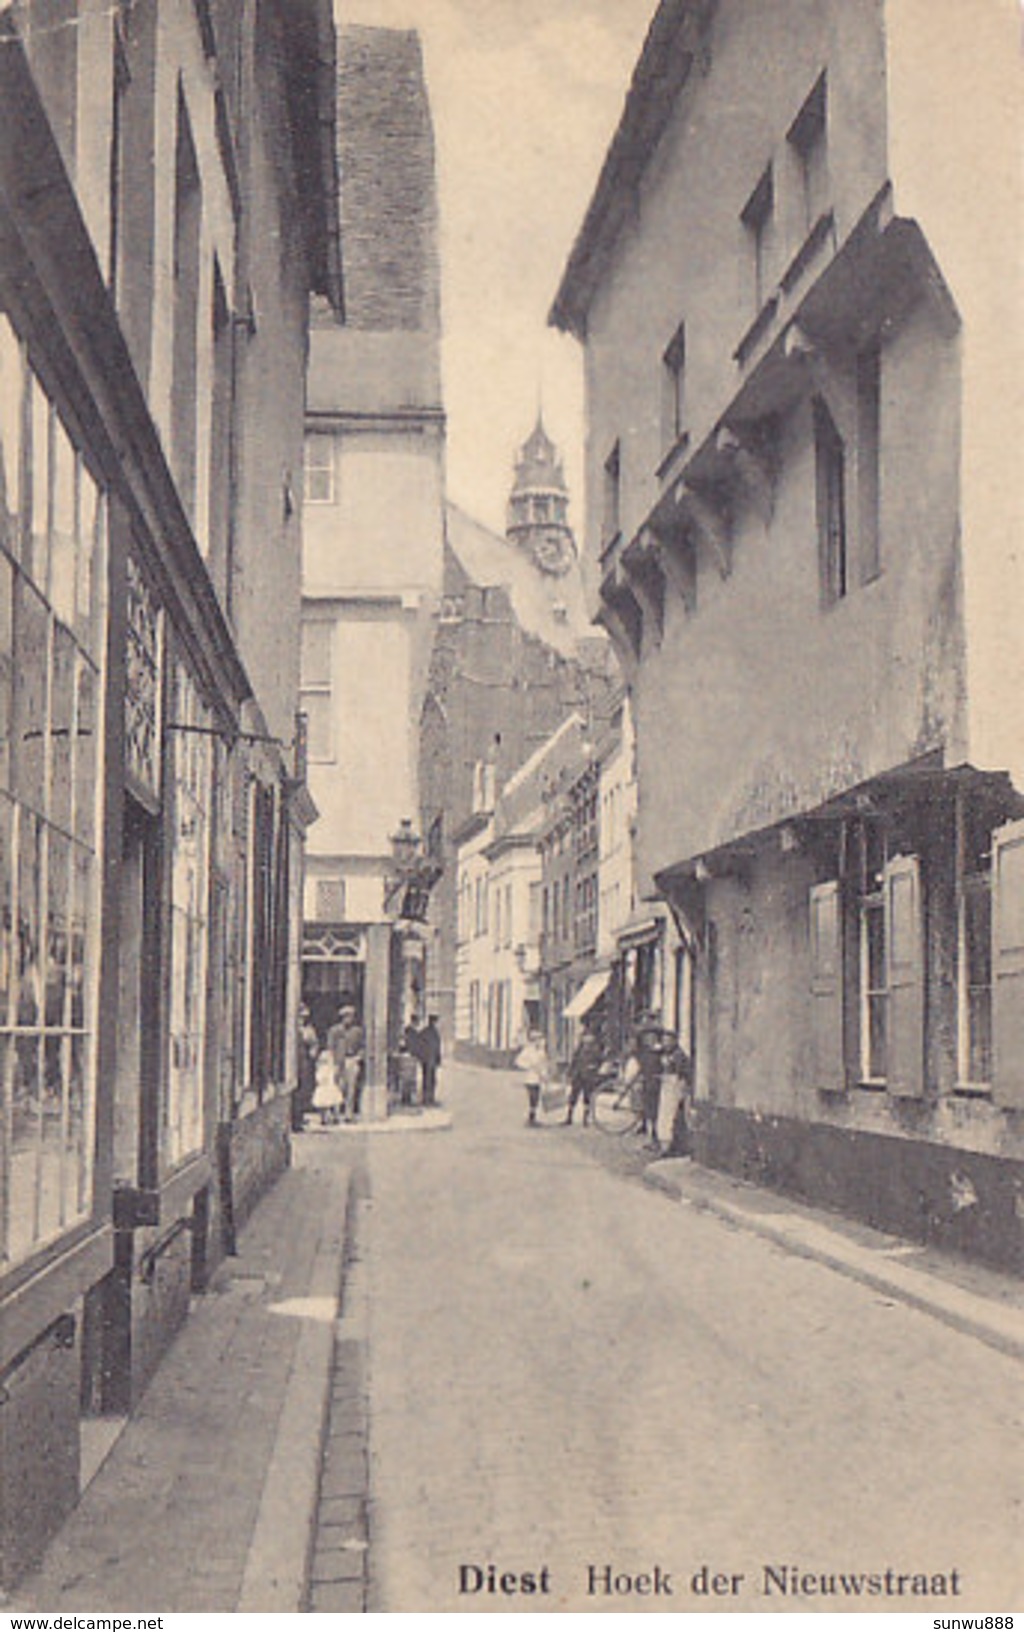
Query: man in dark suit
{"x": 429, "y": 1052}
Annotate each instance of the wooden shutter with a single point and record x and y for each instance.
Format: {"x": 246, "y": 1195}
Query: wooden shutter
{"x": 1008, "y": 964}
{"x": 827, "y": 1067}
{"x": 905, "y": 944}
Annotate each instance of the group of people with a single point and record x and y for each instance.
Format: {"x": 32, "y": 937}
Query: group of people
{"x": 331, "y": 1071}
{"x": 332, "y": 1068}
{"x": 654, "y": 1058}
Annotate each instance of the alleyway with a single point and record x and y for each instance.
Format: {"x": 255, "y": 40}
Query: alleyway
{"x": 543, "y": 1365}
{"x": 567, "y": 1370}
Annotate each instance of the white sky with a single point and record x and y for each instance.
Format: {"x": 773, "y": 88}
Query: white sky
{"x": 525, "y": 96}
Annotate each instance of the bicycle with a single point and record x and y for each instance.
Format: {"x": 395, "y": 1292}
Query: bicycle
{"x": 617, "y": 1104}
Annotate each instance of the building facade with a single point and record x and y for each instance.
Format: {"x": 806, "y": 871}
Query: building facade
{"x": 514, "y": 654}
{"x": 167, "y": 203}
{"x": 374, "y": 540}
{"x": 499, "y": 963}
{"x": 802, "y": 534}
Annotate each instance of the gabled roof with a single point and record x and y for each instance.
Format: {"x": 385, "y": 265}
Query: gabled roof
{"x": 658, "y": 78}
{"x": 489, "y": 560}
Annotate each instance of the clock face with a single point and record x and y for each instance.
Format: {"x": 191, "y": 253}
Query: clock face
{"x": 553, "y": 551}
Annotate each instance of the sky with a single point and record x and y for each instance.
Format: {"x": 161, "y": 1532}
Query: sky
{"x": 525, "y": 96}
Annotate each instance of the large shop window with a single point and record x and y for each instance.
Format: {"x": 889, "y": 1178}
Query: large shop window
{"x": 52, "y": 620}
{"x": 191, "y": 779}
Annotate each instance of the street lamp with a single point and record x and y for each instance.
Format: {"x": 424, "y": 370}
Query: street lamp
{"x": 405, "y": 847}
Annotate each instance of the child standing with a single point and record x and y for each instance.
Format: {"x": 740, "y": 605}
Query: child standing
{"x": 532, "y": 1065}
{"x": 327, "y": 1097}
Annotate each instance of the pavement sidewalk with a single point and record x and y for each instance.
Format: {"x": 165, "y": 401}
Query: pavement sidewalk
{"x": 207, "y": 1500}
{"x": 982, "y": 1302}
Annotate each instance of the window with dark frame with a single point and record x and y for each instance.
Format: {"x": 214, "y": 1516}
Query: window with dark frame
{"x": 120, "y": 80}
{"x": 974, "y": 936}
{"x": 869, "y": 369}
{"x": 674, "y": 378}
{"x": 757, "y": 215}
{"x": 187, "y": 242}
{"x": 807, "y": 138}
{"x": 830, "y": 465}
{"x": 611, "y": 497}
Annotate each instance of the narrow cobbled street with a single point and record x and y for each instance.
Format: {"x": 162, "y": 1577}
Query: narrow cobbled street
{"x": 568, "y": 1372}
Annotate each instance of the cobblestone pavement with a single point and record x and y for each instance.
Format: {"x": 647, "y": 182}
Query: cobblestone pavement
{"x": 570, "y": 1373}
{"x": 168, "y": 1523}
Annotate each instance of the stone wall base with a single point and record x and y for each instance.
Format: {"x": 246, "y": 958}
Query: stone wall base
{"x": 959, "y": 1200}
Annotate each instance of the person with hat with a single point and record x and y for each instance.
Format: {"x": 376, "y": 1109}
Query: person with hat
{"x": 650, "y": 1052}
{"x": 346, "y": 1043}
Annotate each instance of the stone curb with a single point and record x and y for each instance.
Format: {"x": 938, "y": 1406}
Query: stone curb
{"x": 338, "y": 1572}
{"x": 438, "y": 1121}
{"x": 274, "y": 1579}
{"x": 979, "y": 1317}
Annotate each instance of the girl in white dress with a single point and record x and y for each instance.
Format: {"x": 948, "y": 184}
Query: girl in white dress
{"x": 327, "y": 1096}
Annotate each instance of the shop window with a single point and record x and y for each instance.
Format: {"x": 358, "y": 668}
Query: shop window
{"x": 757, "y": 217}
{"x": 190, "y": 796}
{"x": 52, "y": 612}
{"x": 12, "y": 400}
{"x": 830, "y": 467}
{"x": 319, "y": 469}
{"x": 316, "y": 688}
{"x": 807, "y": 138}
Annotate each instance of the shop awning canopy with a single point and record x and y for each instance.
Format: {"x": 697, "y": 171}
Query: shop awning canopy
{"x": 592, "y": 989}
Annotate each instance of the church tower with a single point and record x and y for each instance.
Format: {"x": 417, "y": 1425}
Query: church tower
{"x": 537, "y": 508}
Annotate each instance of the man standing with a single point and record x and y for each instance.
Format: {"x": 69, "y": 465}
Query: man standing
{"x": 583, "y": 1072}
{"x": 345, "y": 1041}
{"x": 650, "y": 1053}
{"x": 429, "y": 1051}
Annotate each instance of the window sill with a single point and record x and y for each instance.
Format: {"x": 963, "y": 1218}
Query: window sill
{"x": 609, "y": 549}
{"x": 757, "y": 329}
{"x": 973, "y": 1090}
{"x": 873, "y": 1085}
{"x": 675, "y": 452}
{"x": 807, "y": 251}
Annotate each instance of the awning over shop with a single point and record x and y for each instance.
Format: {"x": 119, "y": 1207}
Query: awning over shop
{"x": 592, "y": 989}
{"x": 641, "y": 929}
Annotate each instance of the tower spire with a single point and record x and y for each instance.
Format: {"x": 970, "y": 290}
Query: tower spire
{"x": 539, "y": 502}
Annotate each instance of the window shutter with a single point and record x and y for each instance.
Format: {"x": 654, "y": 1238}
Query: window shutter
{"x": 828, "y": 1072}
{"x": 906, "y": 976}
{"x": 1008, "y": 964}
